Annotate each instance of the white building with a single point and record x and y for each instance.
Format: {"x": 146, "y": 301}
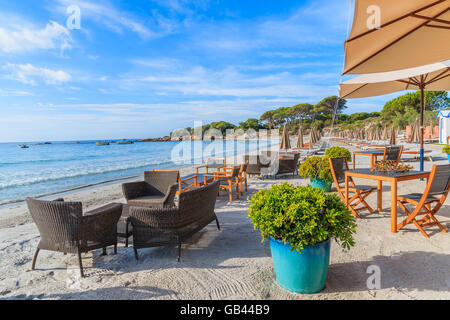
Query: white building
{"x": 444, "y": 125}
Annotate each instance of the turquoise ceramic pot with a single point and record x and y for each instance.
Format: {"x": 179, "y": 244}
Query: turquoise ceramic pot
{"x": 319, "y": 183}
{"x": 304, "y": 272}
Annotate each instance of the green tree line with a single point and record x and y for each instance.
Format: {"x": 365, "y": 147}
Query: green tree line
{"x": 399, "y": 112}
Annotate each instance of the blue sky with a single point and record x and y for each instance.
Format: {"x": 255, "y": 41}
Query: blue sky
{"x": 139, "y": 69}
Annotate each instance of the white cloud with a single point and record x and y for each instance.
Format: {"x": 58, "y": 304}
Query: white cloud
{"x": 14, "y": 93}
{"x": 19, "y": 39}
{"x": 231, "y": 82}
{"x": 105, "y": 13}
{"x": 29, "y": 74}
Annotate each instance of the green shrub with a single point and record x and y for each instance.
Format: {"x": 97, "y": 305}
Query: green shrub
{"x": 301, "y": 216}
{"x": 446, "y": 149}
{"x": 316, "y": 167}
{"x": 338, "y": 152}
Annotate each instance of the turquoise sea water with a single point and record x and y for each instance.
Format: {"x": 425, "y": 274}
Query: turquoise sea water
{"x": 43, "y": 169}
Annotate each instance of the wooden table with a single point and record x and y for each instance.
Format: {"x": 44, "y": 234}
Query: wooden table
{"x": 195, "y": 180}
{"x": 380, "y": 177}
{"x": 372, "y": 153}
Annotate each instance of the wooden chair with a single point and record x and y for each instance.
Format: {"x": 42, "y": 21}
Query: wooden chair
{"x": 338, "y": 168}
{"x": 243, "y": 177}
{"x": 427, "y": 204}
{"x": 228, "y": 181}
{"x": 393, "y": 153}
{"x": 212, "y": 163}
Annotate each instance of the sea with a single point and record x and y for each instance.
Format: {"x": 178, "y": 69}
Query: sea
{"x": 61, "y": 166}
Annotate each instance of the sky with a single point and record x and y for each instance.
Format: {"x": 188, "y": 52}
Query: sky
{"x": 143, "y": 68}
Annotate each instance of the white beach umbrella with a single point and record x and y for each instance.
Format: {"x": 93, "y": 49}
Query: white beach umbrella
{"x": 433, "y": 77}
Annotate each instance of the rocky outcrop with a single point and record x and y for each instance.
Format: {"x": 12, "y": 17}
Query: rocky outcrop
{"x": 163, "y": 139}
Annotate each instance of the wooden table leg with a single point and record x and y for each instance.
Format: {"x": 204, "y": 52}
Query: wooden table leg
{"x": 380, "y": 196}
{"x": 394, "y": 206}
{"x": 346, "y": 190}
{"x": 354, "y": 162}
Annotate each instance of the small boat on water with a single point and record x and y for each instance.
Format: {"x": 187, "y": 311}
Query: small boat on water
{"x": 23, "y": 146}
{"x": 102, "y": 143}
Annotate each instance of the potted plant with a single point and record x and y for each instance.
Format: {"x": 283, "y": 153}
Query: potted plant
{"x": 317, "y": 170}
{"x": 338, "y": 152}
{"x": 299, "y": 223}
{"x": 447, "y": 151}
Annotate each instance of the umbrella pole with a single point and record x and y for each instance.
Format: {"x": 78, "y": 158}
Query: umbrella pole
{"x": 422, "y": 107}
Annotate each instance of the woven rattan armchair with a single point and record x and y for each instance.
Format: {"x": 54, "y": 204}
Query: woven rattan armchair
{"x": 64, "y": 228}
{"x": 288, "y": 164}
{"x": 158, "y": 190}
{"x": 255, "y": 163}
{"x": 154, "y": 227}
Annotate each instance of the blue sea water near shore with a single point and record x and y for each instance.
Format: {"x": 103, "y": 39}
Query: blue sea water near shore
{"x": 49, "y": 168}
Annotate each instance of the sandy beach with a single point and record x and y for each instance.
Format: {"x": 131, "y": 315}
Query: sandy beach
{"x": 231, "y": 263}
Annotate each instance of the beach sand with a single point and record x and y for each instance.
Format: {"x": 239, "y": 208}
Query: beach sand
{"x": 228, "y": 264}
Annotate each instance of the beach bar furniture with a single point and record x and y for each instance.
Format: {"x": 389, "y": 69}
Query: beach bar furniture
{"x": 217, "y": 164}
{"x": 64, "y": 228}
{"x": 242, "y": 176}
{"x": 227, "y": 181}
{"x": 373, "y": 154}
{"x": 255, "y": 163}
{"x": 428, "y": 203}
{"x": 393, "y": 153}
{"x": 391, "y": 177}
{"x": 338, "y": 167}
{"x": 287, "y": 164}
{"x": 154, "y": 227}
{"x": 158, "y": 189}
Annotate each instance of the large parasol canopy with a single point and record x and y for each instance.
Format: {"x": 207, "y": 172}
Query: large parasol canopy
{"x": 433, "y": 77}
{"x": 390, "y": 35}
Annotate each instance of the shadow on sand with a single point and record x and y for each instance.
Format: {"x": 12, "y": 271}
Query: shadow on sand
{"x": 416, "y": 270}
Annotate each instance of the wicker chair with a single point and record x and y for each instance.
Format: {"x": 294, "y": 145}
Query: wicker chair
{"x": 64, "y": 228}
{"x": 288, "y": 164}
{"x": 255, "y": 163}
{"x": 158, "y": 190}
{"x": 153, "y": 227}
